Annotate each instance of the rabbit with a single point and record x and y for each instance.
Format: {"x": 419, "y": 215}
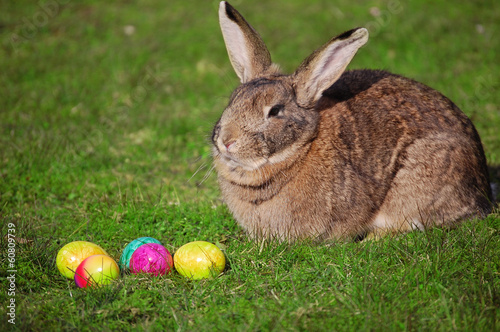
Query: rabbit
{"x": 329, "y": 154}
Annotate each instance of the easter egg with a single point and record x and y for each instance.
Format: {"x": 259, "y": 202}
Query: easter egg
{"x": 199, "y": 259}
{"x": 131, "y": 247}
{"x": 151, "y": 258}
{"x": 96, "y": 270}
{"x": 72, "y": 254}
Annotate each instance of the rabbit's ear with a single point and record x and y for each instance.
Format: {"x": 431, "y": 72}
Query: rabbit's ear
{"x": 322, "y": 68}
{"x": 247, "y": 52}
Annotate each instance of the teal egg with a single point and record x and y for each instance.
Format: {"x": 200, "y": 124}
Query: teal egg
{"x": 131, "y": 247}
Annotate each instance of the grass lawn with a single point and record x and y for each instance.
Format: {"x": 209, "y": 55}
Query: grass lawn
{"x": 106, "y": 109}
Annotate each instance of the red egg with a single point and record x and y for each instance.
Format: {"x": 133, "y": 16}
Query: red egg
{"x": 96, "y": 270}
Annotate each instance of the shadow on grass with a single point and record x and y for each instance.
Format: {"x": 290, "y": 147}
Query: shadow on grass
{"x": 494, "y": 171}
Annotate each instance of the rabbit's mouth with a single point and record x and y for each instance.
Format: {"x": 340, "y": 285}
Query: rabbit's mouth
{"x": 233, "y": 162}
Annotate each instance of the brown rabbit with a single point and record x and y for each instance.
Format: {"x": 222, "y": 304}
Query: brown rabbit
{"x": 324, "y": 153}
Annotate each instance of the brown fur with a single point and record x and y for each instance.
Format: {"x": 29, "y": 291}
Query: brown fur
{"x": 345, "y": 154}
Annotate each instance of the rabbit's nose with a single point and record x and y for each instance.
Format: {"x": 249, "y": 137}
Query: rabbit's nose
{"x": 229, "y": 143}
{"x": 228, "y": 137}
{"x": 225, "y": 142}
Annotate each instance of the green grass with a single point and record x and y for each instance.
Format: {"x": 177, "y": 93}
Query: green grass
{"x": 102, "y": 134}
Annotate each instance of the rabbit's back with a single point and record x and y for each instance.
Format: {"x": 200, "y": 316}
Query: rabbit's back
{"x": 405, "y": 156}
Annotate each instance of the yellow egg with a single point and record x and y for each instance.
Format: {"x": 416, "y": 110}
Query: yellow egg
{"x": 72, "y": 254}
{"x": 199, "y": 260}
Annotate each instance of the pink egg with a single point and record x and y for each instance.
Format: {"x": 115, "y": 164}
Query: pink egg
{"x": 151, "y": 258}
{"x": 96, "y": 270}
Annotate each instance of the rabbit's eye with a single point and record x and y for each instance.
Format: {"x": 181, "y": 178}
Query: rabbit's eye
{"x": 275, "y": 110}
